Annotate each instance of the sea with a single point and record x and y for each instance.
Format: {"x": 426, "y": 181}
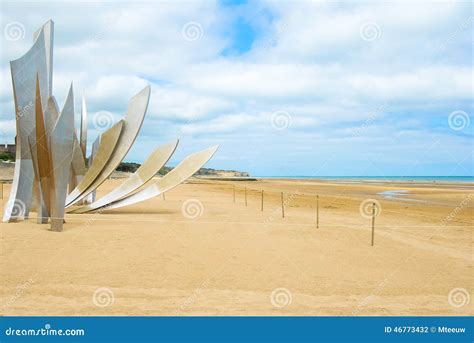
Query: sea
{"x": 440, "y": 179}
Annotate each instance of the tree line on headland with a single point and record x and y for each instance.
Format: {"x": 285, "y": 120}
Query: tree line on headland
{"x": 131, "y": 167}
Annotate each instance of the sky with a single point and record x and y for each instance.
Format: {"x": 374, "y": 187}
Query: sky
{"x": 286, "y": 88}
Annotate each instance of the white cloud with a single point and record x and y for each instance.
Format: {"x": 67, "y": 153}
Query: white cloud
{"x": 229, "y": 123}
{"x": 308, "y": 59}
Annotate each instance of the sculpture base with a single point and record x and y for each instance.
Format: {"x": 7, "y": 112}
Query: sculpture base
{"x": 57, "y": 224}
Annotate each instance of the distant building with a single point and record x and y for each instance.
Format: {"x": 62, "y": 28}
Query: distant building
{"x": 11, "y": 148}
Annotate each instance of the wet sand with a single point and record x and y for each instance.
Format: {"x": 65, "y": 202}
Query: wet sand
{"x": 155, "y": 258}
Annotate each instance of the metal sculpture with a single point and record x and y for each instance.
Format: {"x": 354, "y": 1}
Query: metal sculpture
{"x": 50, "y": 169}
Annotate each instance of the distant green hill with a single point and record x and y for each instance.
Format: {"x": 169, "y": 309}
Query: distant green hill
{"x": 131, "y": 167}
{"x": 7, "y": 156}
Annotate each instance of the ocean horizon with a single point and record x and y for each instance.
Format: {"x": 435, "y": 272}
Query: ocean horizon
{"x": 379, "y": 178}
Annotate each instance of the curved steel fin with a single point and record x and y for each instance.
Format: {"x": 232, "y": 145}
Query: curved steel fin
{"x": 147, "y": 170}
{"x": 180, "y": 173}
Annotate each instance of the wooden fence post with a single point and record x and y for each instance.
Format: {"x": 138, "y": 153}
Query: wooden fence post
{"x": 317, "y": 211}
{"x": 282, "y": 206}
{"x": 373, "y": 222}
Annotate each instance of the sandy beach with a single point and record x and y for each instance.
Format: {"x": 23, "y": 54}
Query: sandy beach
{"x": 196, "y": 252}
